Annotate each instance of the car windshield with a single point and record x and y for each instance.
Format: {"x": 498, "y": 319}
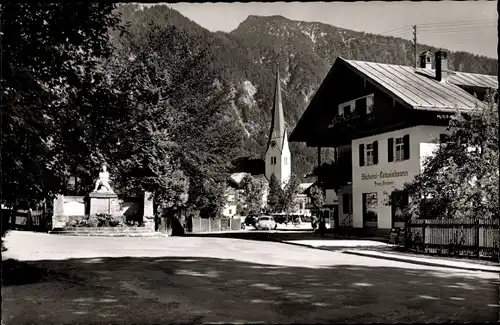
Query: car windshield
{"x": 265, "y": 218}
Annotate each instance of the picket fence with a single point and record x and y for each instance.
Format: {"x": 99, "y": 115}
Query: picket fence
{"x": 35, "y": 220}
{"x": 201, "y": 225}
{"x": 470, "y": 237}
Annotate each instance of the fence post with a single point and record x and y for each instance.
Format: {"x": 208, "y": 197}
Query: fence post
{"x": 405, "y": 241}
{"x": 476, "y": 226}
{"x": 423, "y": 235}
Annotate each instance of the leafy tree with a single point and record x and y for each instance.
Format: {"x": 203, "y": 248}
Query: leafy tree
{"x": 252, "y": 195}
{"x": 317, "y": 197}
{"x": 275, "y": 193}
{"x": 461, "y": 179}
{"x": 290, "y": 191}
{"x": 48, "y": 53}
{"x": 169, "y": 101}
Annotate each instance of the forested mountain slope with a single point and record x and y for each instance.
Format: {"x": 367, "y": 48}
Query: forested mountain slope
{"x": 246, "y": 58}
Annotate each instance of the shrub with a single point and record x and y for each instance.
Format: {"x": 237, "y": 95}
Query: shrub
{"x": 107, "y": 220}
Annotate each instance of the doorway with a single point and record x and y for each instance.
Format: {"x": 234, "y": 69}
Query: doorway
{"x": 370, "y": 210}
{"x": 399, "y": 203}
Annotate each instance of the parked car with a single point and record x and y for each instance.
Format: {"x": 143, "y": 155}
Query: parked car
{"x": 266, "y": 222}
{"x": 251, "y": 220}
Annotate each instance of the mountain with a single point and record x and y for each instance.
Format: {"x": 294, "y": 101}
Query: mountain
{"x": 246, "y": 58}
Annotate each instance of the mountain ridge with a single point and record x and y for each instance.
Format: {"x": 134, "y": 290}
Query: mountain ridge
{"x": 246, "y": 58}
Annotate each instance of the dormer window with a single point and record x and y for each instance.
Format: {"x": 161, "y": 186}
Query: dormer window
{"x": 362, "y": 106}
{"x": 369, "y": 104}
{"x": 345, "y": 109}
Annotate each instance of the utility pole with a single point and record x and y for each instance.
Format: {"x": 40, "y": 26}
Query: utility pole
{"x": 415, "y": 44}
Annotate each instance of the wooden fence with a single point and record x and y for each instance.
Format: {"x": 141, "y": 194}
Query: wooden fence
{"x": 200, "y": 225}
{"x": 466, "y": 237}
{"x": 34, "y": 220}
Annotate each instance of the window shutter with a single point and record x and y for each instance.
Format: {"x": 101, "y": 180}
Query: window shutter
{"x": 361, "y": 106}
{"x": 375, "y": 152}
{"x": 390, "y": 149}
{"x": 361, "y": 154}
{"x": 406, "y": 143}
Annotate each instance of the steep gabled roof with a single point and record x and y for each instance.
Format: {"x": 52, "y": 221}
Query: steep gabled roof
{"x": 277, "y": 131}
{"x": 416, "y": 90}
{"x": 465, "y": 79}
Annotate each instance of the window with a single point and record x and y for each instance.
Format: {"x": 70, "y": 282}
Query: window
{"x": 368, "y": 154}
{"x": 399, "y": 202}
{"x": 273, "y": 160}
{"x": 398, "y": 149}
{"x": 369, "y": 104}
{"x": 361, "y": 106}
{"x": 230, "y": 211}
{"x": 370, "y": 209}
{"x": 285, "y": 160}
{"x": 346, "y": 110}
{"x": 346, "y": 203}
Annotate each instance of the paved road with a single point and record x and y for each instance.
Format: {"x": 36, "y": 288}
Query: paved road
{"x": 87, "y": 280}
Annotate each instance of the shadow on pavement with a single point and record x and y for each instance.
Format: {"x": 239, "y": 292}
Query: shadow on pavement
{"x": 274, "y": 235}
{"x": 195, "y": 290}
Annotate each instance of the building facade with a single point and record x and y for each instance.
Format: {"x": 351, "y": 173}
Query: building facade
{"x": 384, "y": 120}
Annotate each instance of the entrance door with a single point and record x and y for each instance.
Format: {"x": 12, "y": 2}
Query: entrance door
{"x": 399, "y": 202}
{"x": 370, "y": 210}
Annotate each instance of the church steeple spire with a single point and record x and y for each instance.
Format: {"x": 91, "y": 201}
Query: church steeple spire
{"x": 277, "y": 157}
{"x": 278, "y": 131}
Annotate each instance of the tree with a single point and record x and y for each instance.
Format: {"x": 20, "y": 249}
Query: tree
{"x": 48, "y": 53}
{"x": 289, "y": 193}
{"x": 252, "y": 195}
{"x": 461, "y": 179}
{"x": 318, "y": 200}
{"x": 317, "y": 197}
{"x": 166, "y": 100}
{"x": 275, "y": 193}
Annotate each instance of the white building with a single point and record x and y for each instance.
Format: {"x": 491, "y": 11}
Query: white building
{"x": 383, "y": 120}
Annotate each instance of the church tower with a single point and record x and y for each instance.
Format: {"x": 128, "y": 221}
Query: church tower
{"x": 277, "y": 157}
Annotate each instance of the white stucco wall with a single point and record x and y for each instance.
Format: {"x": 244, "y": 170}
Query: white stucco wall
{"x": 386, "y": 176}
{"x": 229, "y": 210}
{"x": 283, "y": 167}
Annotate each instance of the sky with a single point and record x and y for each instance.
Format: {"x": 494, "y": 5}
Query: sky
{"x": 455, "y": 25}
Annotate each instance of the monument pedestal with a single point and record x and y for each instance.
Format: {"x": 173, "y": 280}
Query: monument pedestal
{"x": 104, "y": 203}
{"x": 149, "y": 219}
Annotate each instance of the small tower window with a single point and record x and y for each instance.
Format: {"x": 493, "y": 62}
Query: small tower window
{"x": 285, "y": 160}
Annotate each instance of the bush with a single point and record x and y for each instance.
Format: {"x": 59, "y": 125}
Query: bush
{"x": 107, "y": 220}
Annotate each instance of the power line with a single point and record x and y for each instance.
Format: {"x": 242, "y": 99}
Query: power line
{"x": 400, "y": 33}
{"x": 464, "y": 22}
{"x": 464, "y": 32}
{"x": 396, "y": 30}
{"x": 459, "y": 26}
{"x": 458, "y": 30}
{"x": 441, "y": 25}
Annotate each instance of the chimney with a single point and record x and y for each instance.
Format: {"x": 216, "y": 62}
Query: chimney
{"x": 441, "y": 65}
{"x": 425, "y": 60}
